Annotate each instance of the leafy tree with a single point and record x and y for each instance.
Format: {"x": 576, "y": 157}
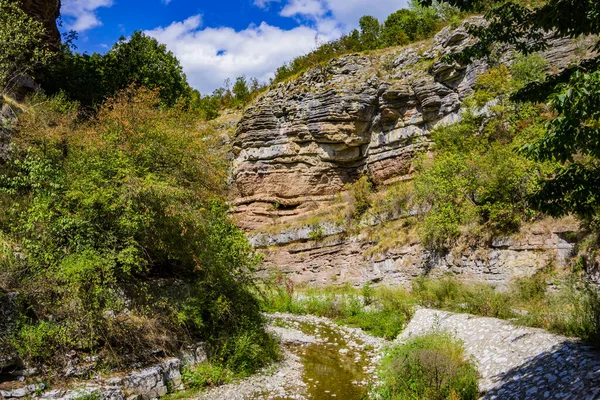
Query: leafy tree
{"x": 573, "y": 136}
{"x": 144, "y": 61}
{"x": 369, "y": 32}
{"x": 23, "y": 46}
{"x": 240, "y": 90}
{"x": 80, "y": 76}
{"x": 408, "y": 25}
{"x": 141, "y": 60}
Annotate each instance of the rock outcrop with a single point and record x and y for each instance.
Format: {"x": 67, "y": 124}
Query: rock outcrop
{"x": 346, "y": 259}
{"x": 299, "y": 144}
{"x": 145, "y": 384}
{"x": 45, "y": 11}
{"x": 304, "y": 140}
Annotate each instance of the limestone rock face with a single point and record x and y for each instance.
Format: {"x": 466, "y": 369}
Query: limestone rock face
{"x": 304, "y": 140}
{"x": 300, "y": 143}
{"x": 46, "y": 11}
{"x": 339, "y": 259}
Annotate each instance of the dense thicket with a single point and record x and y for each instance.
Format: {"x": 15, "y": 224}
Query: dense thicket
{"x": 115, "y": 233}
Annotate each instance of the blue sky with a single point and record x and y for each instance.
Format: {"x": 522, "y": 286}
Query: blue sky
{"x": 215, "y": 40}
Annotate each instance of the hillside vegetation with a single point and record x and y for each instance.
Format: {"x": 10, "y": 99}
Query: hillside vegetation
{"x": 115, "y": 234}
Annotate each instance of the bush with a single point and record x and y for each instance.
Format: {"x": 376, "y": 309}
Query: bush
{"x": 123, "y": 239}
{"x": 433, "y": 366}
{"x": 205, "y": 374}
{"x": 477, "y": 185}
{"x": 361, "y": 192}
{"x": 23, "y": 47}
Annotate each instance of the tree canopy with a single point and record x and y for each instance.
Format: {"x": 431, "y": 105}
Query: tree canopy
{"x": 139, "y": 60}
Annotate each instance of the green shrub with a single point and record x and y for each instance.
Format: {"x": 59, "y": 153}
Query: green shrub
{"x": 361, "y": 192}
{"x": 433, "y": 366}
{"x": 205, "y": 374}
{"x": 478, "y": 186}
{"x": 41, "y": 340}
{"x": 123, "y": 236}
{"x": 368, "y": 293}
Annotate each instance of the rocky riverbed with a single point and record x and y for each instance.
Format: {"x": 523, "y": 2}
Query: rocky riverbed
{"x": 322, "y": 360}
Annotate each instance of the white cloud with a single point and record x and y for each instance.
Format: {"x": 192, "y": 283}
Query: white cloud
{"x": 345, "y": 12}
{"x": 81, "y": 14}
{"x": 264, "y": 3}
{"x": 211, "y": 55}
{"x": 309, "y": 8}
{"x": 348, "y": 12}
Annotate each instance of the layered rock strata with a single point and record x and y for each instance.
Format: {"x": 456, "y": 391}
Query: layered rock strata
{"x": 338, "y": 259}
{"x": 301, "y": 142}
{"x": 298, "y": 145}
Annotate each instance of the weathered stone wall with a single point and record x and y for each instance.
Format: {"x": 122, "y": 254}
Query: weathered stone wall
{"x": 344, "y": 259}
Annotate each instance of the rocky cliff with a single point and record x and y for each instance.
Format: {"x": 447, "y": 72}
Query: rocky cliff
{"x": 45, "y": 11}
{"x": 304, "y": 140}
{"x": 299, "y": 144}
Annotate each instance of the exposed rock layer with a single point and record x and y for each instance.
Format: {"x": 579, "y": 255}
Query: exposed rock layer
{"x": 339, "y": 259}
{"x": 304, "y": 140}
{"x": 300, "y": 143}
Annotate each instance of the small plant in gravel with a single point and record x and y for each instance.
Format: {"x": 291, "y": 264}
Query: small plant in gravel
{"x": 433, "y": 366}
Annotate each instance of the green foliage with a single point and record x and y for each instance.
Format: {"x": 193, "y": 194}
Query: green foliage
{"x": 369, "y": 32}
{"x": 572, "y": 134}
{"x": 206, "y": 374}
{"x": 409, "y": 25}
{"x": 433, "y": 366}
{"x": 528, "y": 69}
{"x": 368, "y": 292}
{"x": 386, "y": 316}
{"x": 139, "y": 60}
{"x": 361, "y": 192}
{"x": 316, "y": 232}
{"x": 477, "y": 182}
{"x": 240, "y": 90}
{"x": 23, "y": 44}
{"x": 42, "y": 340}
{"x": 123, "y": 235}
{"x": 450, "y": 294}
{"x": 573, "y": 309}
{"x": 572, "y": 139}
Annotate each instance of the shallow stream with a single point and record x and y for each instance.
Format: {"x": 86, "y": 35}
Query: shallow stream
{"x": 337, "y": 364}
